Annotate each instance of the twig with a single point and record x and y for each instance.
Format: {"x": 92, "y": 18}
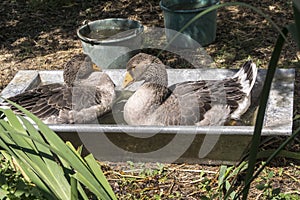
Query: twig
{"x": 171, "y": 187}
{"x": 195, "y": 192}
{"x": 196, "y": 181}
{"x": 258, "y": 196}
{"x": 194, "y": 171}
{"x": 124, "y": 175}
{"x": 295, "y": 179}
{"x": 293, "y": 192}
{"x": 151, "y": 7}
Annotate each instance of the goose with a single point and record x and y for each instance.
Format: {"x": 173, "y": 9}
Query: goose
{"x": 83, "y": 97}
{"x": 200, "y": 103}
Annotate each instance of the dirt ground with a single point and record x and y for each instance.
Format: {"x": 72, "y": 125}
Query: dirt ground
{"x": 36, "y": 34}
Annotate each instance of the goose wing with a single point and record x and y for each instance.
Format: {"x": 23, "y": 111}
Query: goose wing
{"x": 191, "y": 102}
{"x": 48, "y": 100}
{"x": 186, "y": 104}
{"x": 45, "y": 100}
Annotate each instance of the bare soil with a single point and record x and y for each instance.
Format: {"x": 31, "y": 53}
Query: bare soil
{"x": 36, "y": 34}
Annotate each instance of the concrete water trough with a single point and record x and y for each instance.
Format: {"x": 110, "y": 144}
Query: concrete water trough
{"x": 190, "y": 144}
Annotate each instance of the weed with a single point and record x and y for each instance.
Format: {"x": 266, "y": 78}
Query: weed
{"x": 13, "y": 185}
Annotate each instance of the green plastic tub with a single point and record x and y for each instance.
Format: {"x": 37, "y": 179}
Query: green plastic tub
{"x": 177, "y": 13}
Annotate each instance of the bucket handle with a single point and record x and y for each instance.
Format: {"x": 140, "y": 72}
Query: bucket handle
{"x": 86, "y": 22}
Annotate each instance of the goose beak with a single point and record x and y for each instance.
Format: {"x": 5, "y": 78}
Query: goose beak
{"x": 127, "y": 80}
{"x": 96, "y": 68}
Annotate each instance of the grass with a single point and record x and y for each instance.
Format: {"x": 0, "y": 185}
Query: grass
{"x": 209, "y": 187}
{"x": 160, "y": 181}
{"x": 270, "y": 190}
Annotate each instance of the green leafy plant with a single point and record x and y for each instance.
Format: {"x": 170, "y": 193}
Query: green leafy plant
{"x": 56, "y": 168}
{"x": 227, "y": 178}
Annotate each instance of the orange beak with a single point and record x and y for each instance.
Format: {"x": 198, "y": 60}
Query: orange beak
{"x": 127, "y": 80}
{"x": 96, "y": 68}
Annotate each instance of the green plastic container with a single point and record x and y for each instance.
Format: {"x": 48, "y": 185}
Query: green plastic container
{"x": 177, "y": 13}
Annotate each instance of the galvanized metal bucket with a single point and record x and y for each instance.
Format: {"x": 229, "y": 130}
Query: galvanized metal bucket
{"x": 177, "y": 13}
{"x": 114, "y": 49}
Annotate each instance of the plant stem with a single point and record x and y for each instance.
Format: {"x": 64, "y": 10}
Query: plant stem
{"x": 261, "y": 112}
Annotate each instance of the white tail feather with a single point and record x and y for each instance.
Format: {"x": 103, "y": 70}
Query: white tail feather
{"x": 247, "y": 76}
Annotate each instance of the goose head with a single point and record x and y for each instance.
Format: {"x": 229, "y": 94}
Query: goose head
{"x": 78, "y": 67}
{"x": 147, "y": 68}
